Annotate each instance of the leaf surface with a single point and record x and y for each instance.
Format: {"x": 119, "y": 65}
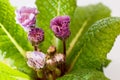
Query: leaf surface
{"x": 96, "y": 43}
{"x": 84, "y": 74}
{"x": 84, "y": 17}
{"x": 13, "y": 39}
{"x": 7, "y": 73}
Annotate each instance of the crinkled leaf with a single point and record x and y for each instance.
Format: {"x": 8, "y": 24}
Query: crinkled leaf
{"x": 7, "y": 73}
{"x": 84, "y": 17}
{"x": 48, "y": 10}
{"x": 13, "y": 39}
{"x": 96, "y": 43}
{"x": 84, "y": 74}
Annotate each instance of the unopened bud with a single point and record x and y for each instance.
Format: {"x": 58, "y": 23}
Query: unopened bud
{"x": 51, "y": 50}
{"x": 57, "y": 72}
{"x": 50, "y": 63}
{"x": 39, "y": 73}
{"x": 59, "y": 58}
{"x": 50, "y": 77}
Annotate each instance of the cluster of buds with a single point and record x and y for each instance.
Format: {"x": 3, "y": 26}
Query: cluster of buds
{"x": 52, "y": 64}
{"x": 26, "y": 17}
{"x": 54, "y": 61}
{"x": 53, "y": 57}
{"x": 49, "y": 64}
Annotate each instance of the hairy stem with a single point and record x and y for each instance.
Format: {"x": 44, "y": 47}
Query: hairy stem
{"x": 39, "y": 79}
{"x": 44, "y": 75}
{"x": 54, "y": 75}
{"x": 63, "y": 65}
{"x": 64, "y": 48}
{"x": 36, "y": 48}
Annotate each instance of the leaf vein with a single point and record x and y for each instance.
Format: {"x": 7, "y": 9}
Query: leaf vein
{"x": 78, "y": 34}
{"x": 20, "y": 49}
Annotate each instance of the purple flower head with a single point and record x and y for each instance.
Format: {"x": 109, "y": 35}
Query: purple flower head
{"x": 36, "y": 60}
{"x": 60, "y": 26}
{"x": 26, "y": 16}
{"x": 36, "y": 36}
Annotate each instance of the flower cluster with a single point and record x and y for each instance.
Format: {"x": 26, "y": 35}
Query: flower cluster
{"x": 52, "y": 63}
{"x": 26, "y": 17}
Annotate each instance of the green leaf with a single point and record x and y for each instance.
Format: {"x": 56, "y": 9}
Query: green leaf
{"x": 13, "y": 39}
{"x": 7, "y": 73}
{"x": 48, "y": 10}
{"x": 96, "y": 43}
{"x": 84, "y": 17}
{"x": 84, "y": 74}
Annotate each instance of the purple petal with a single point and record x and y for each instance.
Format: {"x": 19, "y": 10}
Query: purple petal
{"x": 26, "y": 16}
{"x": 60, "y": 26}
{"x": 36, "y": 60}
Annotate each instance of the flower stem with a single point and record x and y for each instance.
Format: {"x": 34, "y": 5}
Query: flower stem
{"x": 38, "y": 79}
{"x": 36, "y": 48}
{"x": 54, "y": 75}
{"x": 63, "y": 65}
{"x": 44, "y": 74}
{"x": 64, "y": 48}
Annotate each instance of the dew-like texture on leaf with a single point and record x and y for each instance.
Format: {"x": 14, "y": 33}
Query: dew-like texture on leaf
{"x": 7, "y": 73}
{"x": 96, "y": 43}
{"x": 84, "y": 17}
{"x": 49, "y": 9}
{"x": 84, "y": 74}
{"x": 13, "y": 39}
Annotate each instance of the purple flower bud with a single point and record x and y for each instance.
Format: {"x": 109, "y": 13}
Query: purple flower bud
{"x": 26, "y": 16}
{"x": 36, "y": 35}
{"x": 36, "y": 60}
{"x": 60, "y": 26}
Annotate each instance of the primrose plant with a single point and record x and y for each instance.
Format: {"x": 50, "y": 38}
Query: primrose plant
{"x": 51, "y": 64}
{"x": 37, "y": 47}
